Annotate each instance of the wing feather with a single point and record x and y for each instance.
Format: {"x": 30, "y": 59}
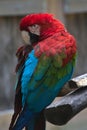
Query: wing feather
{"x": 45, "y": 72}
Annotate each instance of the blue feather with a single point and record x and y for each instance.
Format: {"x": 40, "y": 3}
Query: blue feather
{"x": 30, "y": 65}
{"x": 29, "y": 119}
{"x": 36, "y": 95}
{"x": 25, "y": 119}
{"x": 43, "y": 96}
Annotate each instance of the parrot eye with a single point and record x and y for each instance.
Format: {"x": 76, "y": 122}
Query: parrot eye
{"x": 35, "y": 29}
{"x": 32, "y": 36}
{"x": 35, "y": 25}
{"x": 34, "y": 33}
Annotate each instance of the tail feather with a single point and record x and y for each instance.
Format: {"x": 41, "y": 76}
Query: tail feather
{"x": 17, "y": 106}
{"x": 30, "y": 121}
{"x": 23, "y": 119}
{"x": 39, "y": 122}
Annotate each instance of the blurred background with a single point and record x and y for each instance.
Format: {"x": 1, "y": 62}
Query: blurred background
{"x": 73, "y": 13}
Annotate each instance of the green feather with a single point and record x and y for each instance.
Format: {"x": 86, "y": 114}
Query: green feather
{"x": 49, "y": 71}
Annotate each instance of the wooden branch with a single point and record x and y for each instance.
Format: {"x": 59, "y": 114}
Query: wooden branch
{"x": 61, "y": 111}
{"x": 73, "y": 84}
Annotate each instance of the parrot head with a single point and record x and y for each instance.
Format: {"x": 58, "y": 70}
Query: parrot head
{"x": 37, "y": 27}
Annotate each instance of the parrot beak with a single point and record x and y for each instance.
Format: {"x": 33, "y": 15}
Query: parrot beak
{"x": 32, "y": 35}
{"x": 34, "y": 38}
{"x": 26, "y": 37}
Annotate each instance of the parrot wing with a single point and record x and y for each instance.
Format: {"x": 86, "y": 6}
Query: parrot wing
{"x": 47, "y": 69}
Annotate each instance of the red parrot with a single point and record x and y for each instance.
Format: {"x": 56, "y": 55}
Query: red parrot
{"x": 45, "y": 64}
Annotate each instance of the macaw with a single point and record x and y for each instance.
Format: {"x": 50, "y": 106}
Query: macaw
{"x": 45, "y": 64}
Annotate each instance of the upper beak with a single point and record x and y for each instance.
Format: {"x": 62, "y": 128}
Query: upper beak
{"x": 26, "y": 37}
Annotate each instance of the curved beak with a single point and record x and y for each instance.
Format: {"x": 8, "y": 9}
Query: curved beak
{"x": 25, "y": 37}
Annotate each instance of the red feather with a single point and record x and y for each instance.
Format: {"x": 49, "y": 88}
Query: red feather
{"x": 49, "y": 25}
{"x": 53, "y": 37}
{"x": 59, "y": 43}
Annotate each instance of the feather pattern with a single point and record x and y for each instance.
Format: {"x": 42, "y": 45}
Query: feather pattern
{"x": 43, "y": 69}
{"x": 47, "y": 68}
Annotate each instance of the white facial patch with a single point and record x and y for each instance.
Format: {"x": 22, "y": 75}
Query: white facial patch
{"x": 35, "y": 29}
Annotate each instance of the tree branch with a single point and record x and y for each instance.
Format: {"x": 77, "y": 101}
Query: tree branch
{"x": 61, "y": 111}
